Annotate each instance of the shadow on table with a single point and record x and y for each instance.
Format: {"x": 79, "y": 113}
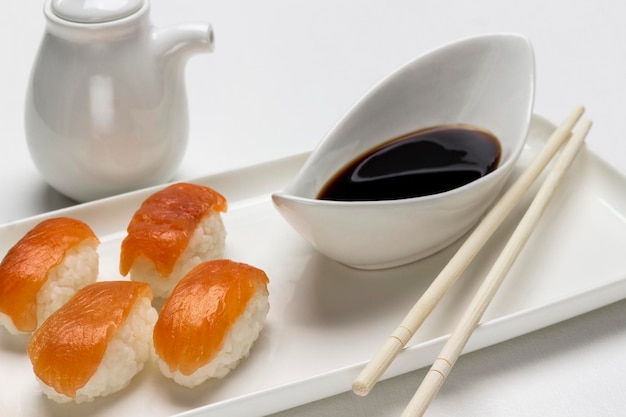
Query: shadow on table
{"x": 48, "y": 199}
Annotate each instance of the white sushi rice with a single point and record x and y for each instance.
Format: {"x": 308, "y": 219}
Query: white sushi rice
{"x": 237, "y": 343}
{"x": 78, "y": 269}
{"x": 128, "y": 351}
{"x": 207, "y": 243}
{"x": 7, "y": 323}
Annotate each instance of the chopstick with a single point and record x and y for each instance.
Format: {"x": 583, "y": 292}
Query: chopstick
{"x": 441, "y": 367}
{"x": 394, "y": 344}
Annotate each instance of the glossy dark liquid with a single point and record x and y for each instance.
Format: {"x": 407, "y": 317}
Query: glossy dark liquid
{"x": 420, "y": 163}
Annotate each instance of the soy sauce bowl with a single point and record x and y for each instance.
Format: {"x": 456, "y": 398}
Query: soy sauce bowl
{"x": 486, "y": 81}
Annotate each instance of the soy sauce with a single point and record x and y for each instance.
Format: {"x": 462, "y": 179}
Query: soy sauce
{"x": 420, "y": 163}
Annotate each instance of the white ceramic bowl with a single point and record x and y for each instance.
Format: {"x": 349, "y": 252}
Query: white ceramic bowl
{"x": 487, "y": 81}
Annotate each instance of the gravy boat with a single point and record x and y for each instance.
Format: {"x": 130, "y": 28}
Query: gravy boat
{"x": 487, "y": 81}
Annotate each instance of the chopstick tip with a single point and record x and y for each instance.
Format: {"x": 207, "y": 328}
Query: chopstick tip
{"x": 360, "y": 388}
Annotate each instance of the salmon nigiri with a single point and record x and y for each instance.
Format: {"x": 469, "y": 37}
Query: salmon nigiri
{"x": 44, "y": 269}
{"x": 210, "y": 321}
{"x": 173, "y": 230}
{"x": 96, "y": 342}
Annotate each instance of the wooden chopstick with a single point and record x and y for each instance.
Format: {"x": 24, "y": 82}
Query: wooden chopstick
{"x": 452, "y": 349}
{"x": 394, "y": 344}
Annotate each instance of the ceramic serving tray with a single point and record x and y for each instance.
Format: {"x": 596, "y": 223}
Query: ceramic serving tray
{"x": 326, "y": 320}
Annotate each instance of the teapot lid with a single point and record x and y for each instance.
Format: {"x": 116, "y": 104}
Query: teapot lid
{"x": 95, "y": 11}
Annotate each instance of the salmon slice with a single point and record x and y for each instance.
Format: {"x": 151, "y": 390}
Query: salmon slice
{"x": 24, "y": 269}
{"x": 199, "y": 313}
{"x": 161, "y": 228}
{"x": 68, "y": 347}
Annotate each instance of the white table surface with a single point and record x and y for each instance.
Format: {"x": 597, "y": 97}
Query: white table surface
{"x": 284, "y": 71}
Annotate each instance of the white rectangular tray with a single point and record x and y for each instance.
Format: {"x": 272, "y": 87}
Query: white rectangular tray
{"x": 326, "y": 320}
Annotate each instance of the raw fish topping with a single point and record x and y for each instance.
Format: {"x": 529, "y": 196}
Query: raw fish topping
{"x": 69, "y": 346}
{"x": 161, "y": 228}
{"x": 201, "y": 310}
{"x": 24, "y": 269}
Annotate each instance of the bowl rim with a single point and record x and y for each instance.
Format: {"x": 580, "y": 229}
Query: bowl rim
{"x": 501, "y": 169}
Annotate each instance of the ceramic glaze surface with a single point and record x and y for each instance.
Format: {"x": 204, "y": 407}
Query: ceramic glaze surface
{"x": 86, "y": 11}
{"x": 485, "y": 81}
{"x": 106, "y": 108}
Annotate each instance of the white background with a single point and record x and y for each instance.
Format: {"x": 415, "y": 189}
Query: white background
{"x": 284, "y": 71}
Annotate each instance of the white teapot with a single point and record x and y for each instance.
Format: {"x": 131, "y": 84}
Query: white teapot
{"x": 106, "y": 107}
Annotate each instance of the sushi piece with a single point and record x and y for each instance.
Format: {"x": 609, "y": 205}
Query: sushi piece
{"x": 44, "y": 269}
{"x": 174, "y": 230}
{"x": 95, "y": 343}
{"x": 210, "y": 321}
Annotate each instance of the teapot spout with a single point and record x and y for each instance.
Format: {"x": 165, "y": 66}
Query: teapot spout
{"x": 183, "y": 40}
